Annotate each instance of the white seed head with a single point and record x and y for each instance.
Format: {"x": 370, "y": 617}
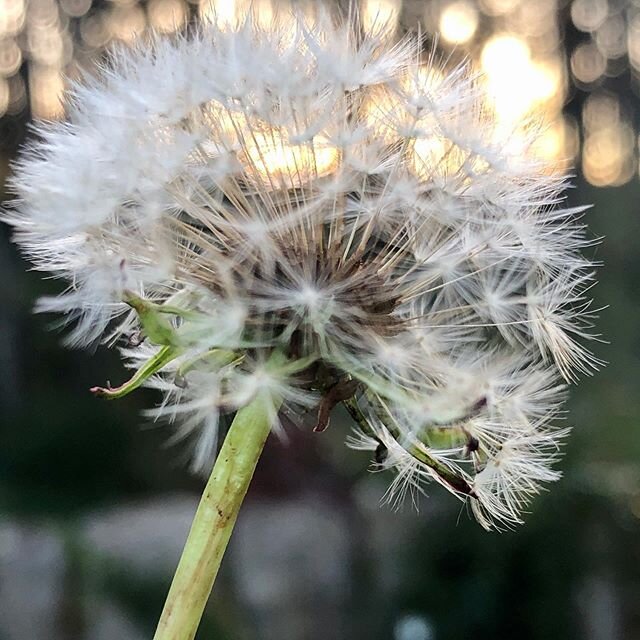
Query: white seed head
{"x": 306, "y": 187}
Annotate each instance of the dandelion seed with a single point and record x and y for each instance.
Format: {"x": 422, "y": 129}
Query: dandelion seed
{"x": 304, "y": 187}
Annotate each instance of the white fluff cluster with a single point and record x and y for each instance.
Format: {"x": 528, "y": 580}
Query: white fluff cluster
{"x": 307, "y": 189}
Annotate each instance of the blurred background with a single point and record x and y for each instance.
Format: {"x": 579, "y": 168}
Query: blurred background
{"x": 94, "y": 507}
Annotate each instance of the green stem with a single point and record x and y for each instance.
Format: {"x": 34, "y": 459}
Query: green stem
{"x": 214, "y": 521}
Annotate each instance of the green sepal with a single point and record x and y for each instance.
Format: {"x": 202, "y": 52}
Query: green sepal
{"x": 165, "y": 355}
{"x": 219, "y": 357}
{"x": 156, "y": 327}
{"x": 447, "y": 475}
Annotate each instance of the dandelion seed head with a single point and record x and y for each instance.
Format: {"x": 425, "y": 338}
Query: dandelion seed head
{"x": 309, "y": 187}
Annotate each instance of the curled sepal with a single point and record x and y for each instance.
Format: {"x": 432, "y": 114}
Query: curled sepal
{"x": 165, "y": 355}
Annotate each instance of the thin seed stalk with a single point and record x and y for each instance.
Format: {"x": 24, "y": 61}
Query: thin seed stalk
{"x": 214, "y": 521}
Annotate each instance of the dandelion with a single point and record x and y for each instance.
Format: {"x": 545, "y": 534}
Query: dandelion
{"x": 289, "y": 216}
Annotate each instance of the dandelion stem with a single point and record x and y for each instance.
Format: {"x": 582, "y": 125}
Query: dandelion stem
{"x": 214, "y": 520}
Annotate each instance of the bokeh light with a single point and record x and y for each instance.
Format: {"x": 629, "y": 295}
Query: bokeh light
{"x": 607, "y": 157}
{"x": 380, "y": 16}
{"x": 17, "y": 95}
{"x": 459, "y": 21}
{"x": 588, "y": 15}
{"x": 227, "y": 13}
{"x": 518, "y": 45}
{"x": 4, "y": 96}
{"x": 608, "y": 154}
{"x": 518, "y": 85}
{"x": 126, "y": 22}
{"x": 498, "y": 7}
{"x": 12, "y": 17}
{"x": 611, "y": 37}
{"x": 75, "y": 8}
{"x": 166, "y": 16}
{"x": 587, "y": 63}
{"x": 275, "y": 163}
{"x": 46, "y": 87}
{"x": 10, "y": 57}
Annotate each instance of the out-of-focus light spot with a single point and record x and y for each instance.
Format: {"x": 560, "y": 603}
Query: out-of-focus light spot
{"x": 436, "y": 157}
{"x": 280, "y": 165}
{"x": 571, "y": 133}
{"x": 10, "y": 57}
{"x": 458, "y": 22}
{"x": 17, "y": 95}
{"x": 505, "y": 55}
{"x": 166, "y": 16}
{"x": 600, "y": 110}
{"x": 505, "y": 60}
{"x": 12, "y": 16}
{"x": 546, "y": 81}
{"x": 283, "y": 13}
{"x": 557, "y": 145}
{"x": 611, "y": 37}
{"x": 94, "y": 31}
{"x": 608, "y": 155}
{"x": 380, "y": 16}
{"x": 43, "y": 14}
{"x": 587, "y": 63}
{"x": 548, "y": 43}
{"x": 633, "y": 41}
{"x": 534, "y": 19}
{"x": 413, "y": 627}
{"x": 588, "y": 15}
{"x": 126, "y": 23}
{"x": 425, "y": 80}
{"x": 75, "y": 8}
{"x": 516, "y": 85}
{"x": 46, "y": 45}
{"x": 4, "y": 96}
{"x": 499, "y": 7}
{"x": 608, "y": 151}
{"x": 225, "y": 13}
{"x": 46, "y": 88}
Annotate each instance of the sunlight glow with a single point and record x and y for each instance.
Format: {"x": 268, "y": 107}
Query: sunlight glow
{"x": 225, "y": 13}
{"x": 380, "y": 16}
{"x": 458, "y": 22}
{"x": 46, "y": 86}
{"x": 167, "y": 16}
{"x": 281, "y": 165}
{"x": 517, "y": 85}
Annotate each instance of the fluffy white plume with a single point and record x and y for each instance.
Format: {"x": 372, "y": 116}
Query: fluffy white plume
{"x": 310, "y": 188}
